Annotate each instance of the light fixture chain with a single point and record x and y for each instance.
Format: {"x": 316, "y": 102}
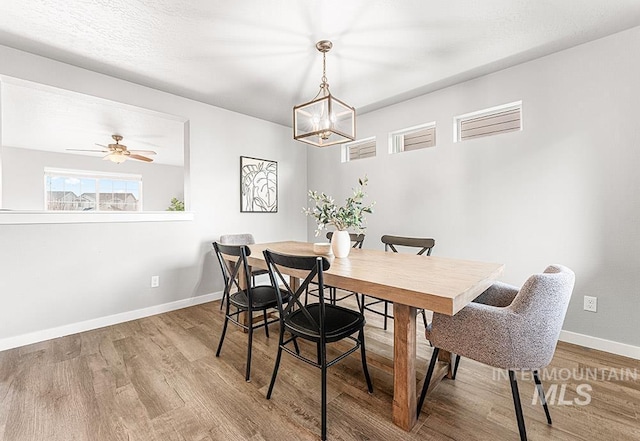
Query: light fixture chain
{"x": 324, "y": 69}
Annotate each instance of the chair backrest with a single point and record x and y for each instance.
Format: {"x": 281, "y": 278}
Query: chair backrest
{"x": 357, "y": 239}
{"x": 237, "y": 239}
{"x": 315, "y": 267}
{"x": 230, "y": 268}
{"x": 542, "y": 304}
{"x": 425, "y": 244}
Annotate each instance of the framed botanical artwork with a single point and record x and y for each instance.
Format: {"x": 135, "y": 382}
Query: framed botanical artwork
{"x": 258, "y": 185}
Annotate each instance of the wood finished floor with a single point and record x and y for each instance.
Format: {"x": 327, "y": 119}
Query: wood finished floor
{"x": 157, "y": 379}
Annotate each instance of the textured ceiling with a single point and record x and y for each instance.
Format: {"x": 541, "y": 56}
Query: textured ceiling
{"x": 258, "y": 57}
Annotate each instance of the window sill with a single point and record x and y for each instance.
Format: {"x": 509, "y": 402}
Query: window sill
{"x": 66, "y": 217}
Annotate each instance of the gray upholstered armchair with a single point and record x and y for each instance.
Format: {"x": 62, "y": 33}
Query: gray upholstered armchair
{"x": 237, "y": 239}
{"x": 508, "y": 328}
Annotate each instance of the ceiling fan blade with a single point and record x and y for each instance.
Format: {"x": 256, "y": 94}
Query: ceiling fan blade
{"x": 144, "y": 152}
{"x": 83, "y": 150}
{"x": 141, "y": 158}
{"x": 103, "y": 146}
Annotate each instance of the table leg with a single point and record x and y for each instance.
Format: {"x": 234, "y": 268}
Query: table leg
{"x": 294, "y": 283}
{"x": 404, "y": 366}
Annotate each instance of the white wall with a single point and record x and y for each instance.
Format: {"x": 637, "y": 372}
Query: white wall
{"x": 22, "y": 177}
{"x": 60, "y": 274}
{"x": 563, "y": 190}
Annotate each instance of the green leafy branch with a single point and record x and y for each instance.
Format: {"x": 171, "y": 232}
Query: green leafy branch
{"x": 176, "y": 205}
{"x": 349, "y": 215}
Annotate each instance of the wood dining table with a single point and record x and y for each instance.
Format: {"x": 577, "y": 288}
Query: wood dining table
{"x": 411, "y": 282}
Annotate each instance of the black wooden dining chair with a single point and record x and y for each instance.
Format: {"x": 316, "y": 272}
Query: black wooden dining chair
{"x": 321, "y": 323}
{"x": 356, "y": 242}
{"x": 356, "y": 239}
{"x": 240, "y": 239}
{"x": 252, "y": 298}
{"x": 424, "y": 246}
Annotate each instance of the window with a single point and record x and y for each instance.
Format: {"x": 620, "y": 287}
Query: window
{"x": 365, "y": 148}
{"x": 413, "y": 138}
{"x": 79, "y": 190}
{"x": 493, "y": 121}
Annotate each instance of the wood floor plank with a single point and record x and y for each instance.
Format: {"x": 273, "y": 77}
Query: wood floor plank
{"x": 29, "y": 415}
{"x": 185, "y": 342}
{"x": 157, "y": 379}
{"x": 113, "y": 409}
{"x": 146, "y": 365}
{"x": 125, "y": 416}
{"x": 66, "y": 348}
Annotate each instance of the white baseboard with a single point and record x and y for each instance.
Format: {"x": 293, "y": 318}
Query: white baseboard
{"x": 613, "y": 347}
{"x": 588, "y": 341}
{"x": 87, "y": 325}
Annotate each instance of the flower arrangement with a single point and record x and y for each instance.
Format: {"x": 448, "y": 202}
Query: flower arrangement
{"x": 350, "y": 215}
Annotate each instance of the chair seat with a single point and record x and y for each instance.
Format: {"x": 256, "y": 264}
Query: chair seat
{"x": 339, "y": 322}
{"x": 263, "y": 297}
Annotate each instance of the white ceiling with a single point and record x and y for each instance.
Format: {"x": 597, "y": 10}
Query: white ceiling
{"x": 258, "y": 57}
{"x": 40, "y": 117}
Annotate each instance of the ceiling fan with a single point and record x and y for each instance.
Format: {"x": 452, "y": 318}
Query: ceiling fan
{"x": 119, "y": 153}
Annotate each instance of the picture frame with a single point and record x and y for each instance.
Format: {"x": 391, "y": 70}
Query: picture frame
{"x": 258, "y": 185}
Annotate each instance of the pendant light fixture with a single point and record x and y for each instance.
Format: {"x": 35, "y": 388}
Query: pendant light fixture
{"x": 325, "y": 120}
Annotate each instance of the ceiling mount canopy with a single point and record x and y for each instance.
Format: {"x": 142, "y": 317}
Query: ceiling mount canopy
{"x": 325, "y": 120}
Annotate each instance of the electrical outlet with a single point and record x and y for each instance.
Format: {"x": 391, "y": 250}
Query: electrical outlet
{"x": 590, "y": 303}
{"x": 155, "y": 281}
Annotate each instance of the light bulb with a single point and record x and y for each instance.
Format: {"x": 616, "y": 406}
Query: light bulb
{"x": 315, "y": 122}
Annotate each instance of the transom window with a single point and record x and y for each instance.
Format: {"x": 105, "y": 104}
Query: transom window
{"x": 363, "y": 148}
{"x": 80, "y": 190}
{"x": 488, "y": 122}
{"x": 413, "y": 138}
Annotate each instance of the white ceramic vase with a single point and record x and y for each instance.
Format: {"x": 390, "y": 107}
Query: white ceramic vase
{"x": 340, "y": 243}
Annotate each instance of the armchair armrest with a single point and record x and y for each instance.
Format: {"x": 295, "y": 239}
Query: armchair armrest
{"x": 499, "y": 294}
{"x": 481, "y": 332}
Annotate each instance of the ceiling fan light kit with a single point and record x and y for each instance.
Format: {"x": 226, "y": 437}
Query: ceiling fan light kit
{"x": 118, "y": 158}
{"x": 119, "y": 153}
{"x": 325, "y": 120}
